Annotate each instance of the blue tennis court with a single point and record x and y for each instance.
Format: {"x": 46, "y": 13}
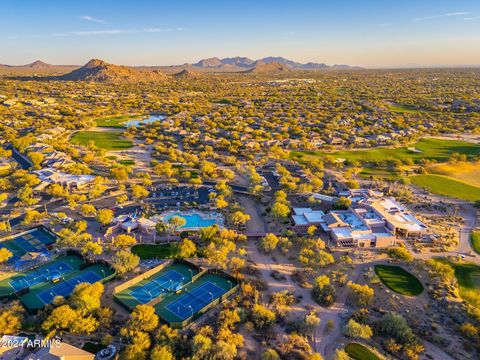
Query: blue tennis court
{"x": 37, "y": 276}
{"x": 35, "y": 240}
{"x": 191, "y": 302}
{"x": 169, "y": 281}
{"x": 65, "y": 287}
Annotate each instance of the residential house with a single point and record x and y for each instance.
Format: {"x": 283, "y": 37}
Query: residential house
{"x": 62, "y": 351}
{"x": 52, "y": 176}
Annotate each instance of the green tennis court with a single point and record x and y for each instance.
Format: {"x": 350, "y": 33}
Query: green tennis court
{"x": 44, "y": 273}
{"x": 194, "y": 298}
{"x": 159, "y": 284}
{"x": 43, "y": 294}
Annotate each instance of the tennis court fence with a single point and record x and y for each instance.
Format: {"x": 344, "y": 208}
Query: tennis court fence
{"x": 141, "y": 277}
{"x": 86, "y": 264}
{"x": 221, "y": 299}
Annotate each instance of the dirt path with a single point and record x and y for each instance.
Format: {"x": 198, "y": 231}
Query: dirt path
{"x": 257, "y": 223}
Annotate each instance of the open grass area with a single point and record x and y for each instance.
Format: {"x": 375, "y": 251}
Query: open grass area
{"x": 358, "y": 351}
{"x": 115, "y": 121}
{"x": 406, "y": 109}
{"x": 127, "y": 162}
{"x": 108, "y": 140}
{"x": 399, "y": 280}
{"x": 433, "y": 149}
{"x": 443, "y": 185}
{"x": 366, "y": 173}
{"x": 467, "y": 172}
{"x": 467, "y": 274}
{"x": 475, "y": 241}
{"x": 150, "y": 251}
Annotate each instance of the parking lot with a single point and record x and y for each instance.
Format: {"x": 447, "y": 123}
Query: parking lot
{"x": 178, "y": 195}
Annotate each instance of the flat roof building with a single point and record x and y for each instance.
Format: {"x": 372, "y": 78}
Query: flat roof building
{"x": 303, "y": 218}
{"x": 347, "y": 228}
{"x": 52, "y": 176}
{"x": 397, "y": 218}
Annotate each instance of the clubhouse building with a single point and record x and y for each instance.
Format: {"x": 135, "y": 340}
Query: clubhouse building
{"x": 369, "y": 222}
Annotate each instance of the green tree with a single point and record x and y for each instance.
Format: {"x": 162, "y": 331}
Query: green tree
{"x": 139, "y": 192}
{"x": 61, "y": 318}
{"x": 92, "y": 248}
{"x": 186, "y": 249}
{"x": 161, "y": 353}
{"x": 362, "y": 295}
{"x": 36, "y": 158}
{"x": 5, "y": 255}
{"x": 32, "y": 216}
{"x": 395, "y": 326}
{"x": 11, "y": 318}
{"x": 176, "y": 222}
{"x": 311, "y": 321}
{"x": 143, "y": 318}
{"x": 104, "y": 216}
{"x": 400, "y": 253}
{"x": 25, "y": 196}
{"x": 354, "y": 329}
{"x": 262, "y": 317}
{"x": 124, "y": 261}
{"x": 58, "y": 191}
{"x": 343, "y": 203}
{"x": 323, "y": 292}
{"x": 88, "y": 210}
{"x": 340, "y": 354}
{"x": 124, "y": 240}
{"x": 202, "y": 346}
{"x": 239, "y": 218}
{"x": 269, "y": 242}
{"x": 270, "y": 354}
{"x": 87, "y": 297}
{"x": 119, "y": 173}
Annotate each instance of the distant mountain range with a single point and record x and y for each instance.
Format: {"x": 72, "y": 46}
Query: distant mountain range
{"x": 36, "y": 67}
{"x": 245, "y": 62}
{"x": 101, "y": 71}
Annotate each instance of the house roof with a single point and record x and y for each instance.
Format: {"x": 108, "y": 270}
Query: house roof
{"x": 62, "y": 352}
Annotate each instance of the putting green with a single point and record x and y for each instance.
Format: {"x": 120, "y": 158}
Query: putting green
{"x": 399, "y": 280}
{"x": 358, "y": 351}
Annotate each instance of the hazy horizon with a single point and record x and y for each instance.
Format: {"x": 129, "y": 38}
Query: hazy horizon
{"x": 372, "y": 34}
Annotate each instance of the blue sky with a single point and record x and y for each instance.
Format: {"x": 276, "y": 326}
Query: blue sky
{"x": 371, "y": 33}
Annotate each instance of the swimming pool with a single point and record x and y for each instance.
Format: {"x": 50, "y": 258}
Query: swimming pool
{"x": 195, "y": 221}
